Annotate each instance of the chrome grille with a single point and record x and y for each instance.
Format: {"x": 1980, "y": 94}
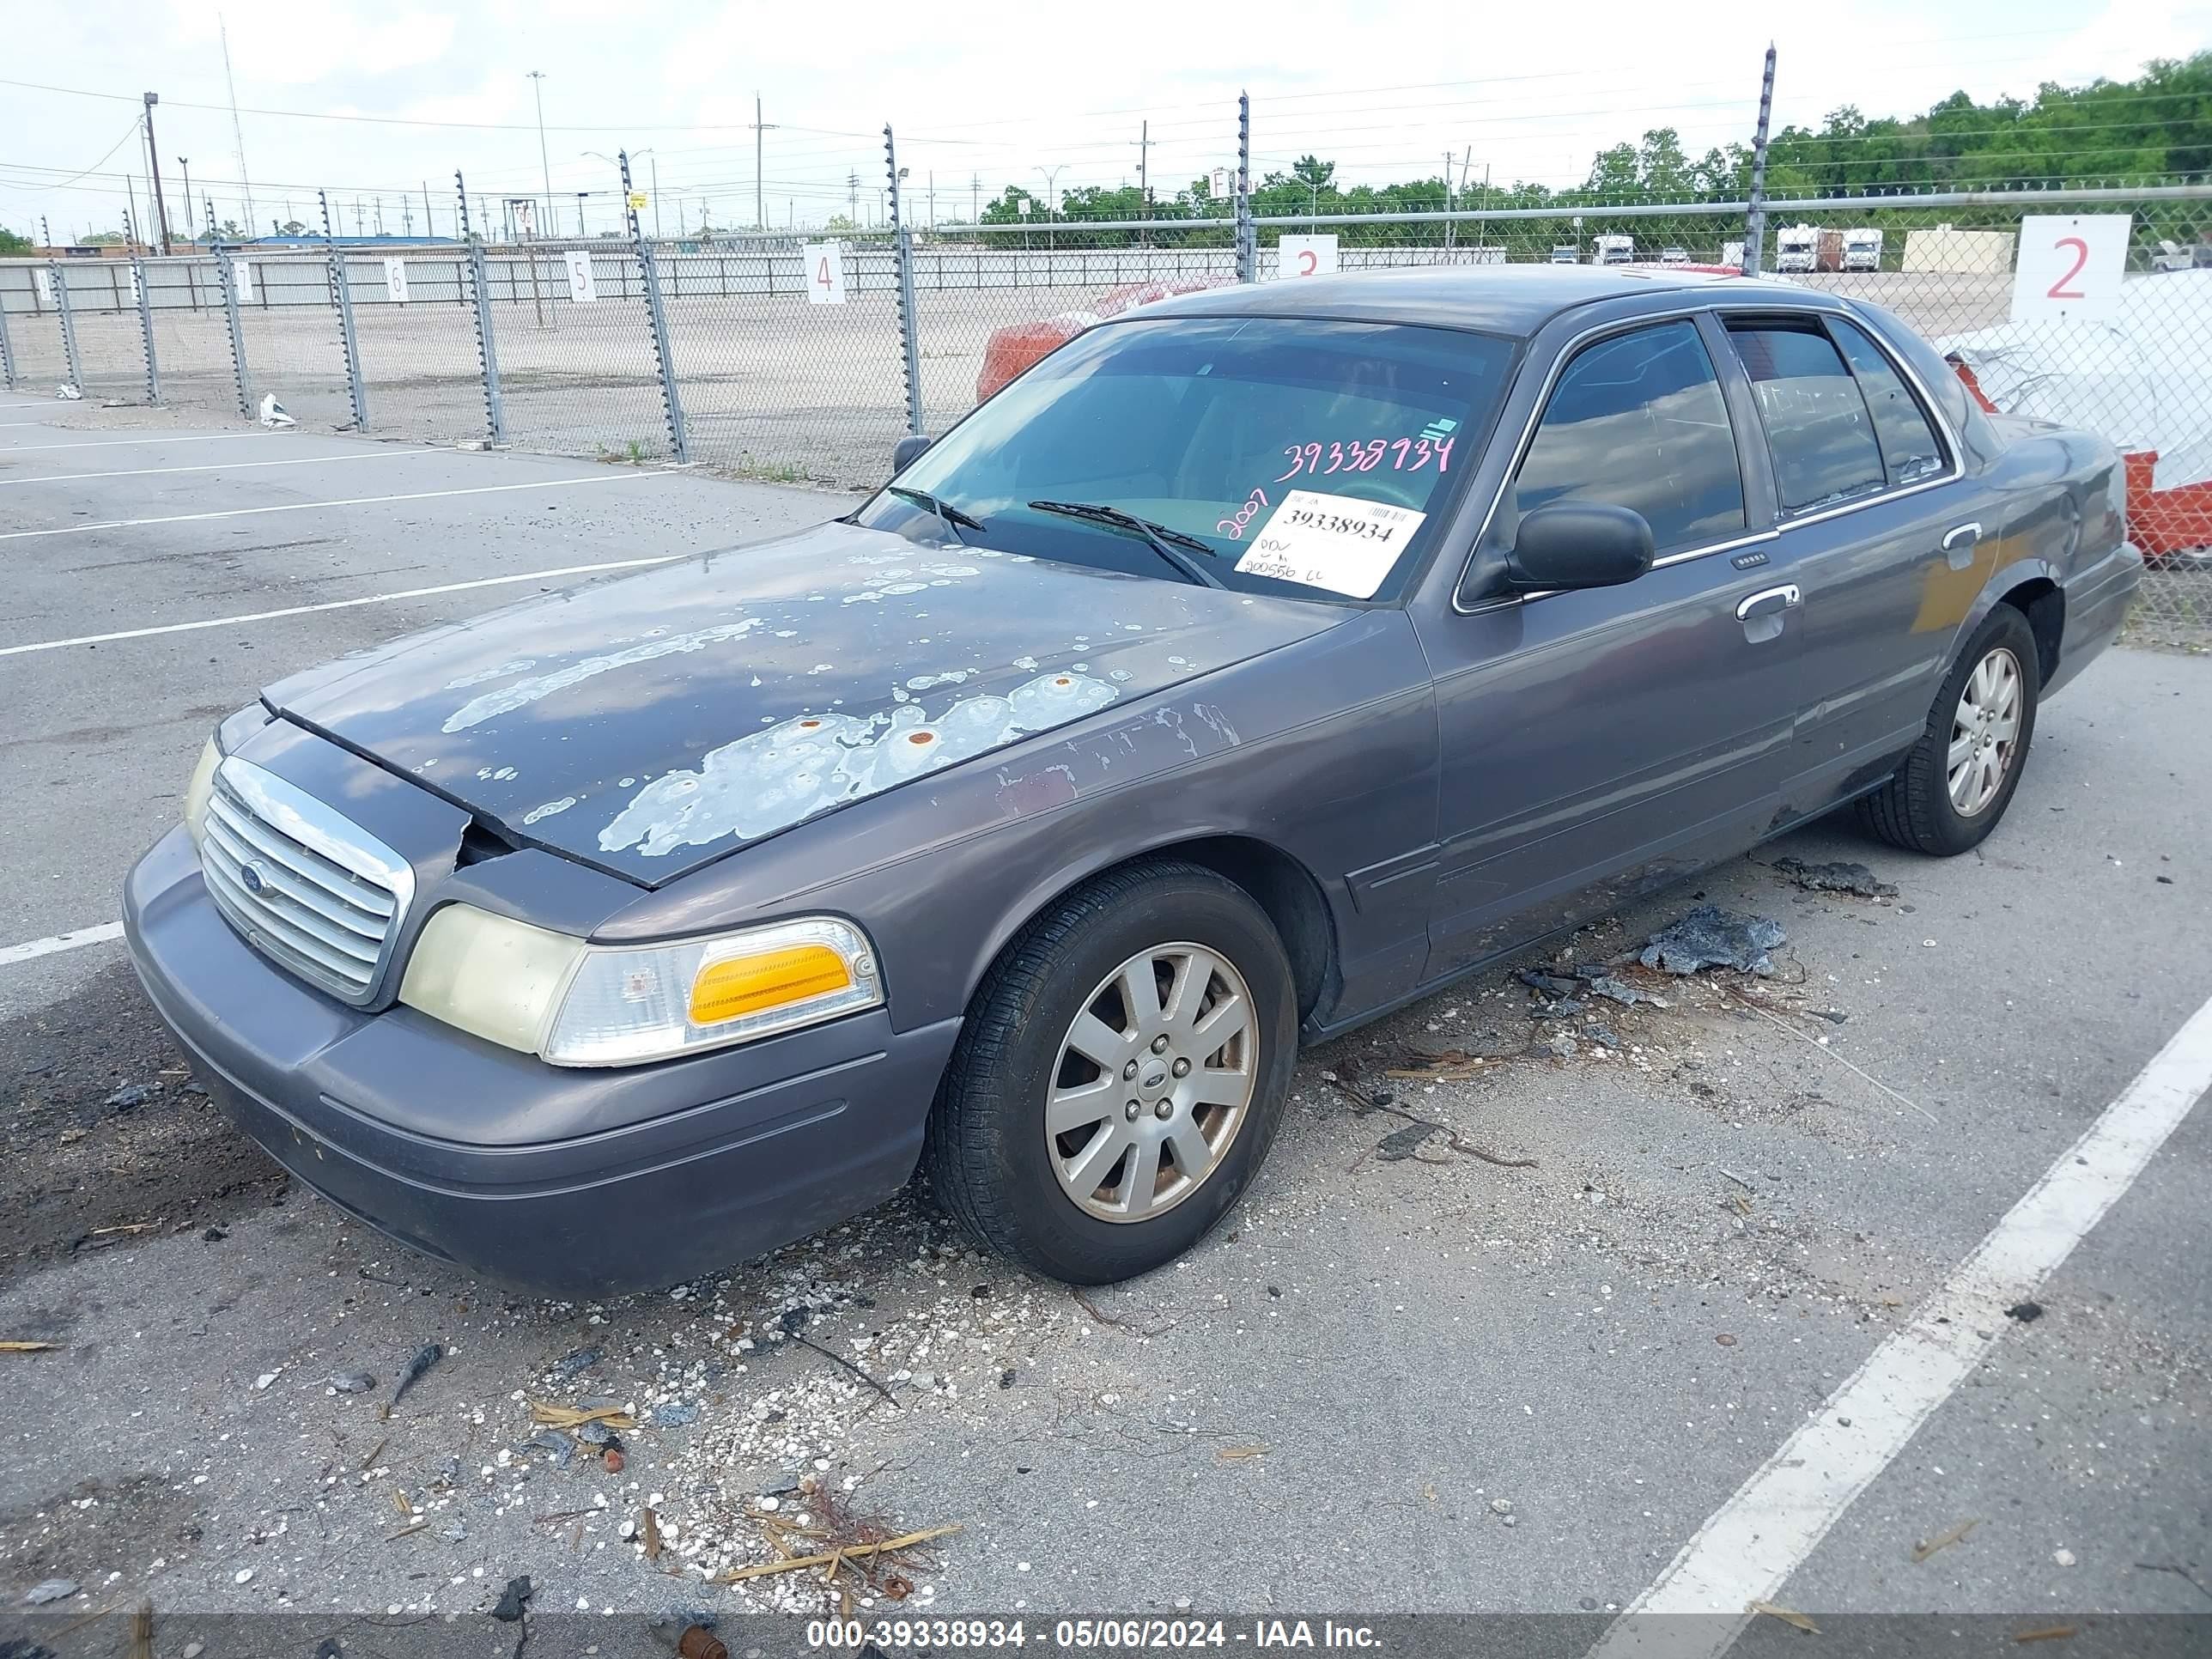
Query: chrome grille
{"x": 307, "y": 887}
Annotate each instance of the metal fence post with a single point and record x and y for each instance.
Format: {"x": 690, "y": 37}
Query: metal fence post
{"x": 63, "y": 310}
{"x": 1755, "y": 220}
{"x": 646, "y": 268}
{"x": 487, "y": 350}
{"x": 145, "y": 295}
{"x": 226, "y": 273}
{"x": 6, "y": 347}
{"x": 342, "y": 296}
{"x": 1248, "y": 235}
{"x": 903, "y": 250}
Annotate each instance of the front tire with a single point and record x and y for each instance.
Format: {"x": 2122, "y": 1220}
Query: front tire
{"x": 1956, "y": 783}
{"x": 1120, "y": 1077}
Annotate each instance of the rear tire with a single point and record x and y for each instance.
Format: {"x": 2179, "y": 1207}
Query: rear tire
{"x": 1174, "y": 977}
{"x": 1955, "y": 783}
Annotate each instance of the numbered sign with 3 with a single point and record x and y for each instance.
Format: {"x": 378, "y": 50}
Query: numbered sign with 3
{"x": 583, "y": 282}
{"x": 1306, "y": 256}
{"x": 2071, "y": 266}
{"x": 825, "y": 273}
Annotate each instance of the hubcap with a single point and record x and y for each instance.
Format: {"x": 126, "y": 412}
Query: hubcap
{"x": 1153, "y": 1082}
{"x": 1985, "y": 732}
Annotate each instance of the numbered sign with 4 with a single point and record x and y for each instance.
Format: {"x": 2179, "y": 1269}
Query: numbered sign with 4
{"x": 825, "y": 273}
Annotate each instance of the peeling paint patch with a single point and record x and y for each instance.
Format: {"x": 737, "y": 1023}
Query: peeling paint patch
{"x": 549, "y": 809}
{"x": 797, "y": 767}
{"x": 955, "y": 677}
{"x": 496, "y": 671}
{"x": 1028, "y": 663}
{"x": 523, "y": 693}
{"x": 502, "y": 775}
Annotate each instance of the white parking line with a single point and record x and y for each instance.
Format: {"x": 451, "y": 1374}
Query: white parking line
{"x": 11, "y": 425}
{"x": 70, "y": 941}
{"x": 225, "y": 466}
{"x": 119, "y": 443}
{"x": 1749, "y": 1547}
{"x": 307, "y": 506}
{"x": 337, "y": 604}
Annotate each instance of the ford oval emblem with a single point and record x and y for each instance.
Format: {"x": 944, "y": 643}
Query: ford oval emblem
{"x": 253, "y": 877}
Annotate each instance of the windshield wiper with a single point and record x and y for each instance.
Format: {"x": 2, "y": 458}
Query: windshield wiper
{"x": 1164, "y": 541}
{"x": 952, "y": 515}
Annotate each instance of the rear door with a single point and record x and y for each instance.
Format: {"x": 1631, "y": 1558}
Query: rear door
{"x": 1878, "y": 532}
{"x": 1598, "y": 742}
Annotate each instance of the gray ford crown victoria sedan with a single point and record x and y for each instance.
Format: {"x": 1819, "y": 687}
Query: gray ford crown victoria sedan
{"x": 1255, "y": 664}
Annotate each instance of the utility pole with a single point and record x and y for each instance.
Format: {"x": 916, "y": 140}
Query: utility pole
{"x": 380, "y": 213}
{"x": 1754, "y": 224}
{"x": 407, "y": 217}
{"x": 656, "y": 198}
{"x": 852, "y": 197}
{"x": 760, "y": 210}
{"x": 1144, "y": 170}
{"x": 430, "y": 224}
{"x": 975, "y": 198}
{"x": 153, "y": 159}
{"x": 359, "y": 230}
{"x": 933, "y": 198}
{"x": 130, "y": 191}
{"x": 581, "y": 195}
{"x": 544, "y": 167}
{"x": 186, "y": 163}
{"x": 1451, "y": 165}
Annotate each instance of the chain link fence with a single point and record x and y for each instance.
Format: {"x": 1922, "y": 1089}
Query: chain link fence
{"x": 748, "y": 355}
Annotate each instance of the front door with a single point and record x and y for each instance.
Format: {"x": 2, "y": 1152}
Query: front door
{"x": 1598, "y": 743}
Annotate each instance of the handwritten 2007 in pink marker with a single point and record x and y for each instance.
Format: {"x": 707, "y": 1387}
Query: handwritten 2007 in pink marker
{"x": 1365, "y": 457}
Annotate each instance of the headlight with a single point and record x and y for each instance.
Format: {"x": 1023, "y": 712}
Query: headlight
{"x": 199, "y": 789}
{"x": 587, "y": 1005}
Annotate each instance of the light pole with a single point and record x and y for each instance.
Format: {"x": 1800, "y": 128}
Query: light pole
{"x": 186, "y": 163}
{"x": 545, "y": 168}
{"x": 1050, "y": 174}
{"x": 581, "y": 195}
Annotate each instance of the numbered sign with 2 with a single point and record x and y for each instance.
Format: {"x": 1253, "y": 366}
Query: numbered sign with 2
{"x": 1341, "y": 543}
{"x": 1306, "y": 256}
{"x": 825, "y": 273}
{"x": 2070, "y": 267}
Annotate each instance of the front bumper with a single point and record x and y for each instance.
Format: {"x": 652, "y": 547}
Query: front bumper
{"x": 580, "y": 1184}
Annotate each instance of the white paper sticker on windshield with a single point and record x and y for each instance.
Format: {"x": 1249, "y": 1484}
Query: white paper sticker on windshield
{"x": 1337, "y": 542}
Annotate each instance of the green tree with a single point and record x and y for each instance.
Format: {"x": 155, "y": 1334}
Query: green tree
{"x": 11, "y": 243}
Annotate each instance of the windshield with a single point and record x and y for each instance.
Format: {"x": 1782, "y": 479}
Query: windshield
{"x": 1297, "y": 457}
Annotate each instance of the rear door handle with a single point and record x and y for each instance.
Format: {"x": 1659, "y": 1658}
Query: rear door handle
{"x": 1959, "y": 541}
{"x": 1767, "y": 602}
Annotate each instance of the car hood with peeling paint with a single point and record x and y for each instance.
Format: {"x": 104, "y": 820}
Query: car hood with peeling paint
{"x": 651, "y": 724}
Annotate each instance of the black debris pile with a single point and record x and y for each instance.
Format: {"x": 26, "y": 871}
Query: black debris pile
{"x": 1710, "y": 936}
{"x": 1839, "y": 877}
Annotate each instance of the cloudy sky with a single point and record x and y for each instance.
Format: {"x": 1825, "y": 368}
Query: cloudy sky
{"x": 372, "y": 98}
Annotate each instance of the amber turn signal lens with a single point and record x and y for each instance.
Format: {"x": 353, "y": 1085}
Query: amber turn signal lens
{"x": 771, "y": 979}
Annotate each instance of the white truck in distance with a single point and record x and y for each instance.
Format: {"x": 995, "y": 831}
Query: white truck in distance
{"x": 1862, "y": 249}
{"x": 1796, "y": 247}
{"x": 1613, "y": 250}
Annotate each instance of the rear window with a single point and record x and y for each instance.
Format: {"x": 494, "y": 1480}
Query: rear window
{"x": 1910, "y": 448}
{"x": 1818, "y": 428}
{"x": 1309, "y": 456}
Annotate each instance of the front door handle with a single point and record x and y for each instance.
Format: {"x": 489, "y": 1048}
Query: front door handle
{"x": 1767, "y": 602}
{"x": 1959, "y": 541}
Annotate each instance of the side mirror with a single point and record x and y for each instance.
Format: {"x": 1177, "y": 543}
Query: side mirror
{"x": 908, "y": 450}
{"x": 1566, "y": 544}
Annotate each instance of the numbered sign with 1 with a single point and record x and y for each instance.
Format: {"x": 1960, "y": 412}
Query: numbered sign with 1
{"x": 825, "y": 273}
{"x": 43, "y": 282}
{"x": 2071, "y": 266}
{"x": 583, "y": 284}
{"x": 395, "y": 280}
{"x": 1307, "y": 256}
{"x": 1341, "y": 543}
{"x": 241, "y": 277}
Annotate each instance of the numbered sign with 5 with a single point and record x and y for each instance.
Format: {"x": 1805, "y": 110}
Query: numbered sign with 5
{"x": 583, "y": 281}
{"x": 2070, "y": 267}
{"x": 825, "y": 274}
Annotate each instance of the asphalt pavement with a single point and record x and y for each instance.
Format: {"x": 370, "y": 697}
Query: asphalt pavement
{"x": 1498, "y": 1329}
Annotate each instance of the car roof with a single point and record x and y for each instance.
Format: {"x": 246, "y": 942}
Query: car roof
{"x": 1514, "y": 299}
